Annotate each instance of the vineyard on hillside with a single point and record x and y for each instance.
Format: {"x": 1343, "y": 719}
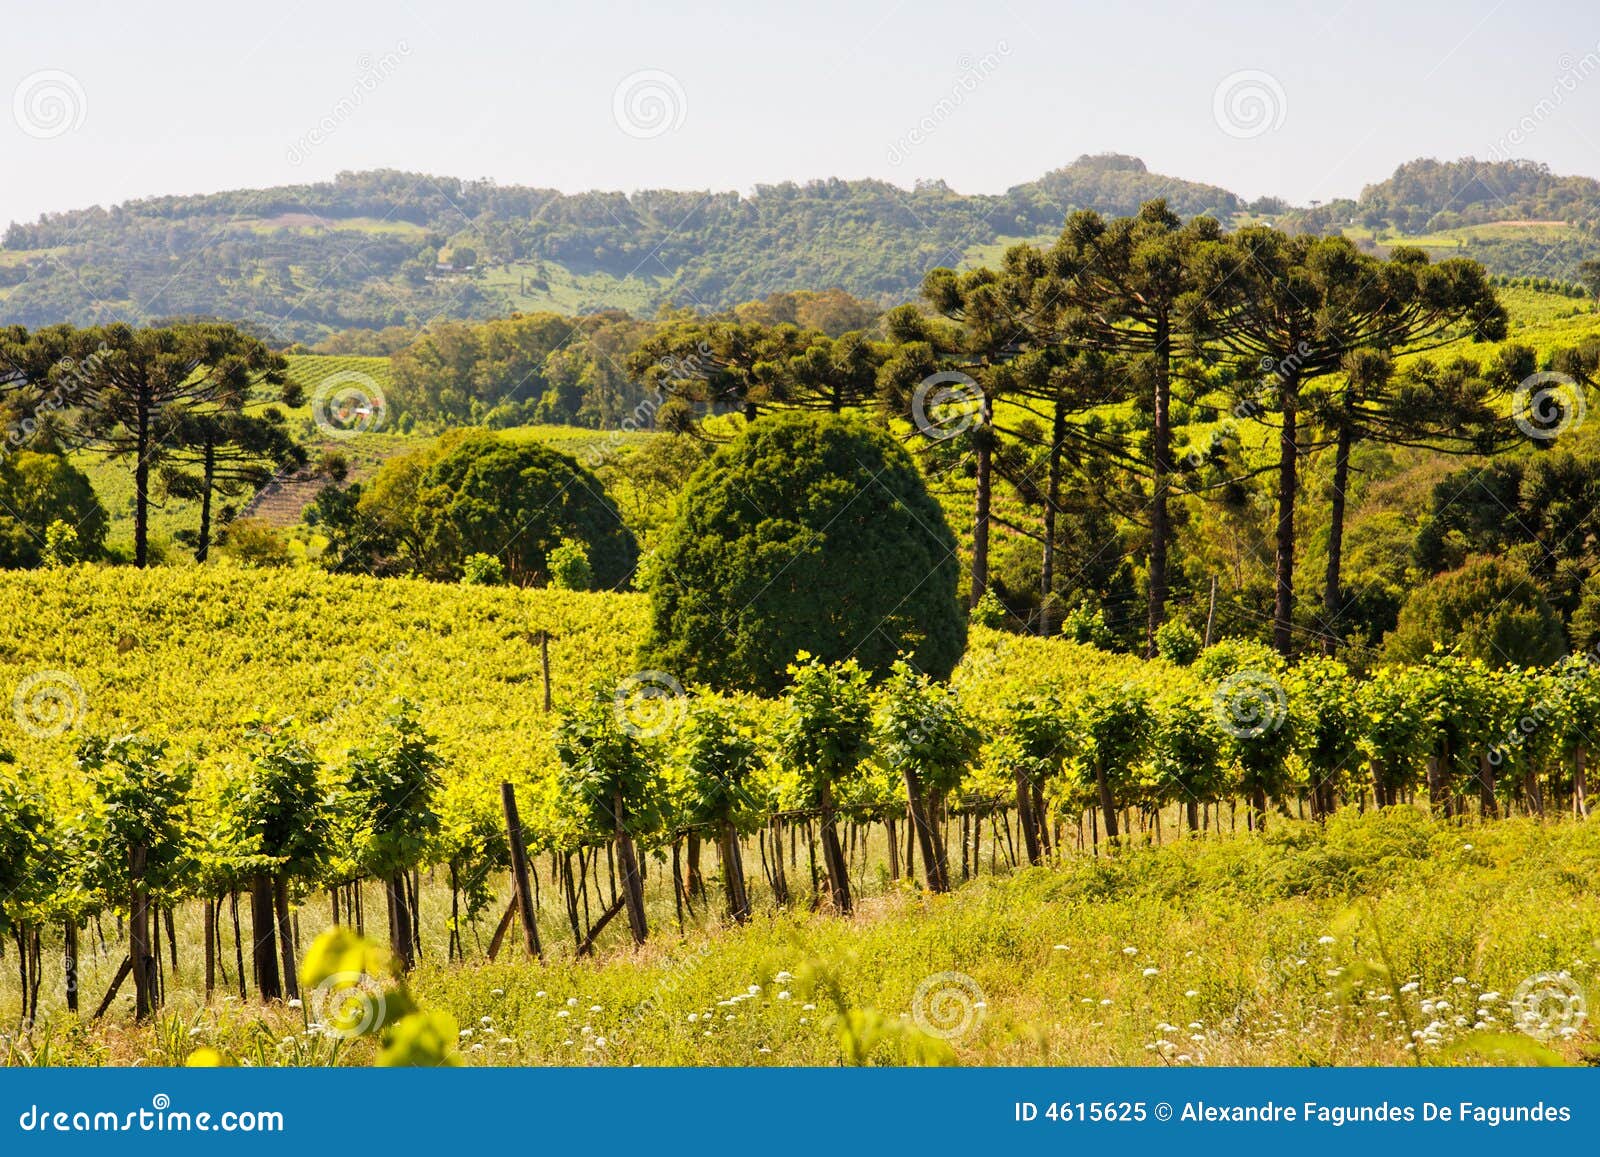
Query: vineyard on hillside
{"x": 184, "y": 717}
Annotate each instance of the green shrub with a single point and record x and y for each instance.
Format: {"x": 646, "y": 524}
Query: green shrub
{"x": 569, "y": 567}
{"x": 990, "y": 612}
{"x": 1178, "y": 642}
{"x": 252, "y": 542}
{"x": 483, "y": 570}
{"x": 1087, "y": 624}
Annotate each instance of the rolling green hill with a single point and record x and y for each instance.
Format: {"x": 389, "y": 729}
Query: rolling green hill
{"x": 1516, "y": 217}
{"x": 390, "y": 248}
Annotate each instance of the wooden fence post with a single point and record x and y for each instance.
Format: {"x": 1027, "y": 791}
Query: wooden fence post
{"x": 519, "y": 870}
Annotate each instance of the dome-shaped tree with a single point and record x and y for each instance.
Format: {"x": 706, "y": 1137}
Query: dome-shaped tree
{"x": 514, "y": 500}
{"x": 1490, "y": 609}
{"x": 805, "y": 533}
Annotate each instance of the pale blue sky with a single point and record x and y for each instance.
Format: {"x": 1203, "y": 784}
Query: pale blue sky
{"x": 174, "y": 96}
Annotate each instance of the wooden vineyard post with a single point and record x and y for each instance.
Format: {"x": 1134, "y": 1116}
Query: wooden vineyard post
{"x": 542, "y": 639}
{"x": 70, "y": 945}
{"x": 519, "y": 870}
{"x": 780, "y": 881}
{"x": 917, "y": 805}
{"x": 833, "y": 856}
{"x": 1026, "y": 820}
{"x": 211, "y": 947}
{"x": 1580, "y": 783}
{"x": 632, "y": 896}
{"x": 402, "y": 940}
{"x": 263, "y": 931}
{"x": 280, "y": 905}
{"x": 139, "y": 935}
{"x": 238, "y": 945}
{"x": 733, "y": 872}
{"x": 544, "y": 666}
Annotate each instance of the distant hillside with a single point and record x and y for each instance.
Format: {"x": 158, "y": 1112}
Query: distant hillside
{"x": 390, "y": 248}
{"x": 1517, "y": 217}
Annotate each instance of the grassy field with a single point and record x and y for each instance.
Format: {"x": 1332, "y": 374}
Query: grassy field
{"x": 311, "y": 370}
{"x": 1380, "y": 939}
{"x": 549, "y": 285}
{"x": 1546, "y": 231}
{"x": 311, "y": 223}
{"x": 994, "y": 252}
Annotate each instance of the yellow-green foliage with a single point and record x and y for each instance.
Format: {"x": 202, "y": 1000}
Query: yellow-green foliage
{"x": 189, "y": 655}
{"x": 311, "y": 370}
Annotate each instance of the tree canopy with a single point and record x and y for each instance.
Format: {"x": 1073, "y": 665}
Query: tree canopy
{"x": 805, "y": 533}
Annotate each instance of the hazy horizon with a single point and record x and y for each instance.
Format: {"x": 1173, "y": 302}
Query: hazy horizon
{"x": 184, "y": 98}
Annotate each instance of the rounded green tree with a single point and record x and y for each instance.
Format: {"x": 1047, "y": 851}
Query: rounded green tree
{"x": 516, "y": 501}
{"x": 1490, "y": 609}
{"x": 806, "y": 533}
